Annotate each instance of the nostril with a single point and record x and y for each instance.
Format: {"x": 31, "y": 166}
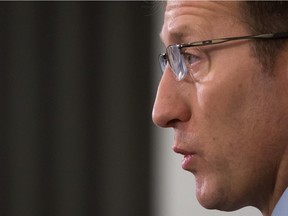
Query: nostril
{"x": 168, "y": 117}
{"x": 172, "y": 122}
{"x": 161, "y": 117}
{"x": 169, "y": 111}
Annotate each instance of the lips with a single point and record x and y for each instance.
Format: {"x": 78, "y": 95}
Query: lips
{"x": 187, "y": 161}
{"x": 189, "y": 157}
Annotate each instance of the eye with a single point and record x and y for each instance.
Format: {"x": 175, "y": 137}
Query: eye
{"x": 191, "y": 56}
{"x": 196, "y": 62}
{"x": 190, "y": 59}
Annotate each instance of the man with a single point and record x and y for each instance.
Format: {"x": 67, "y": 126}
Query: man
{"x": 227, "y": 100}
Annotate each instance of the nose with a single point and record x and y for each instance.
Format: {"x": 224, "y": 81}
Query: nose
{"x": 171, "y": 103}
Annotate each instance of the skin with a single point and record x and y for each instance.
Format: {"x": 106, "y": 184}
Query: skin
{"x": 232, "y": 123}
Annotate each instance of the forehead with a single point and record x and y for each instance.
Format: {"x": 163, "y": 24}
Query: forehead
{"x": 199, "y": 20}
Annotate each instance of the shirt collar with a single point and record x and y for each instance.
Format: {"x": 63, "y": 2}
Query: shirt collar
{"x": 281, "y": 208}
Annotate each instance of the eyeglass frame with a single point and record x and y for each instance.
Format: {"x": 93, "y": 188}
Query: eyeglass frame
{"x": 164, "y": 57}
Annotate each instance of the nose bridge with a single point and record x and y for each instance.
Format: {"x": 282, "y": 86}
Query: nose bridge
{"x": 170, "y": 104}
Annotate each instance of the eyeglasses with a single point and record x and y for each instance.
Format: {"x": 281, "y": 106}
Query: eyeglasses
{"x": 188, "y": 58}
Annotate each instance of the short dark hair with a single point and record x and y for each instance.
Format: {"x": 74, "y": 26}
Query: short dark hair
{"x": 266, "y": 17}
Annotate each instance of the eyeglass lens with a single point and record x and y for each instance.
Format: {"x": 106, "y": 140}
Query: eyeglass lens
{"x": 176, "y": 61}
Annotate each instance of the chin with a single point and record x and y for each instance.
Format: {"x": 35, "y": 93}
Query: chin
{"x": 217, "y": 204}
{"x": 213, "y": 197}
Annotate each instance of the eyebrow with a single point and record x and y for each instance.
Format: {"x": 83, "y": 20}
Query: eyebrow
{"x": 173, "y": 36}
{"x": 181, "y": 34}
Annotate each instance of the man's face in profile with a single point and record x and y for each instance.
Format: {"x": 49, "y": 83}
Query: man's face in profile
{"x": 228, "y": 125}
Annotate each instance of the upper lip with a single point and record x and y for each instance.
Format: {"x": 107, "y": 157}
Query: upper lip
{"x": 184, "y": 143}
{"x": 183, "y": 151}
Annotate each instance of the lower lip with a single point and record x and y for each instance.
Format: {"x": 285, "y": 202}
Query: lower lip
{"x": 187, "y": 161}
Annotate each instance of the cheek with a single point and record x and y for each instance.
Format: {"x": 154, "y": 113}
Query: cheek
{"x": 222, "y": 108}
{"x": 232, "y": 126}
{"x": 229, "y": 84}
{"x": 231, "y": 119}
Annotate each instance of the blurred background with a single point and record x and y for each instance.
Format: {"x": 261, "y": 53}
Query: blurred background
{"x": 77, "y": 84}
{"x": 75, "y": 108}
